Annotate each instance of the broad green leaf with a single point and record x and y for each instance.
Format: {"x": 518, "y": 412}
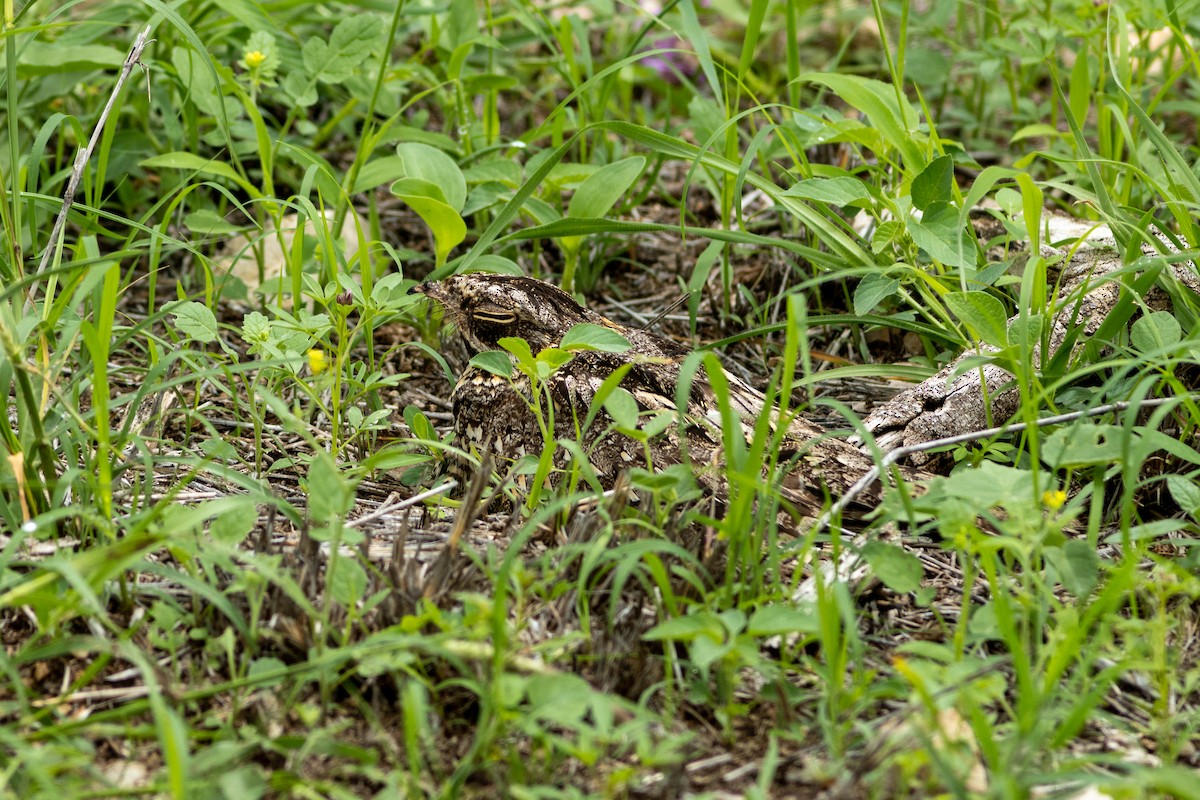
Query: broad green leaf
{"x": 586, "y": 336}
{"x": 45, "y": 58}
{"x": 872, "y": 290}
{"x": 496, "y": 362}
{"x": 840, "y": 191}
{"x": 330, "y": 495}
{"x": 195, "y": 320}
{"x": 776, "y": 620}
{"x": 622, "y": 407}
{"x": 1186, "y": 494}
{"x": 562, "y": 700}
{"x": 352, "y": 41}
{"x": 990, "y": 484}
{"x": 348, "y": 583}
{"x": 377, "y": 172}
{"x": 899, "y": 569}
{"x": 687, "y": 629}
{"x": 301, "y": 89}
{"x": 597, "y": 195}
{"x": 550, "y": 359}
{"x": 419, "y": 187}
{"x": 1026, "y": 331}
{"x": 1084, "y": 445}
{"x": 256, "y": 328}
{"x": 519, "y": 348}
{"x": 982, "y": 313}
{"x": 500, "y": 170}
{"x": 941, "y": 233}
{"x": 233, "y": 526}
{"x": 934, "y": 183}
{"x": 1156, "y": 332}
{"x": 447, "y": 226}
{"x": 430, "y": 164}
{"x": 1077, "y": 564}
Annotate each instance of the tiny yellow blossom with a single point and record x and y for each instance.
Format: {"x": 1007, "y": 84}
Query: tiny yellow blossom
{"x": 316, "y": 361}
{"x": 254, "y": 59}
{"x": 1054, "y": 499}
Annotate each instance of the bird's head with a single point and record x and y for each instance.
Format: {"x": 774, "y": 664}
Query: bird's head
{"x": 487, "y": 308}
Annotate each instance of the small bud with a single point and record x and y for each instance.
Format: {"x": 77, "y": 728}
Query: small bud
{"x": 255, "y": 59}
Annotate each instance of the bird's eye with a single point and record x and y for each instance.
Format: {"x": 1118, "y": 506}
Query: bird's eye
{"x": 494, "y": 315}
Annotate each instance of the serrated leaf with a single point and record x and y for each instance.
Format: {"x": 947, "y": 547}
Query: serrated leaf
{"x": 933, "y": 184}
{"x": 300, "y": 88}
{"x": 352, "y": 41}
{"x": 884, "y": 235}
{"x": 1026, "y": 331}
{"x": 942, "y": 235}
{"x": 839, "y": 191}
{"x": 596, "y": 196}
{"x": 586, "y": 336}
{"x": 1084, "y": 445}
{"x": 202, "y": 89}
{"x": 872, "y": 290}
{"x": 256, "y": 328}
{"x": 194, "y": 320}
{"x": 1156, "y": 332}
{"x": 899, "y": 569}
{"x": 982, "y": 313}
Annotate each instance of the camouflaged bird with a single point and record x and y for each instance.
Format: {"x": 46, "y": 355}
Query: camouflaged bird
{"x": 494, "y": 413}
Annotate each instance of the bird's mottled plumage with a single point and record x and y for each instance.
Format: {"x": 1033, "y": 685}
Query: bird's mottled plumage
{"x": 493, "y": 413}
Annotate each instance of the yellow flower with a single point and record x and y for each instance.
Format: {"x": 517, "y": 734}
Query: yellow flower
{"x": 254, "y": 59}
{"x": 316, "y": 361}
{"x": 1054, "y": 499}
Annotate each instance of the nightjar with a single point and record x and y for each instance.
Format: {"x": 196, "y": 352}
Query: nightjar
{"x": 495, "y": 413}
